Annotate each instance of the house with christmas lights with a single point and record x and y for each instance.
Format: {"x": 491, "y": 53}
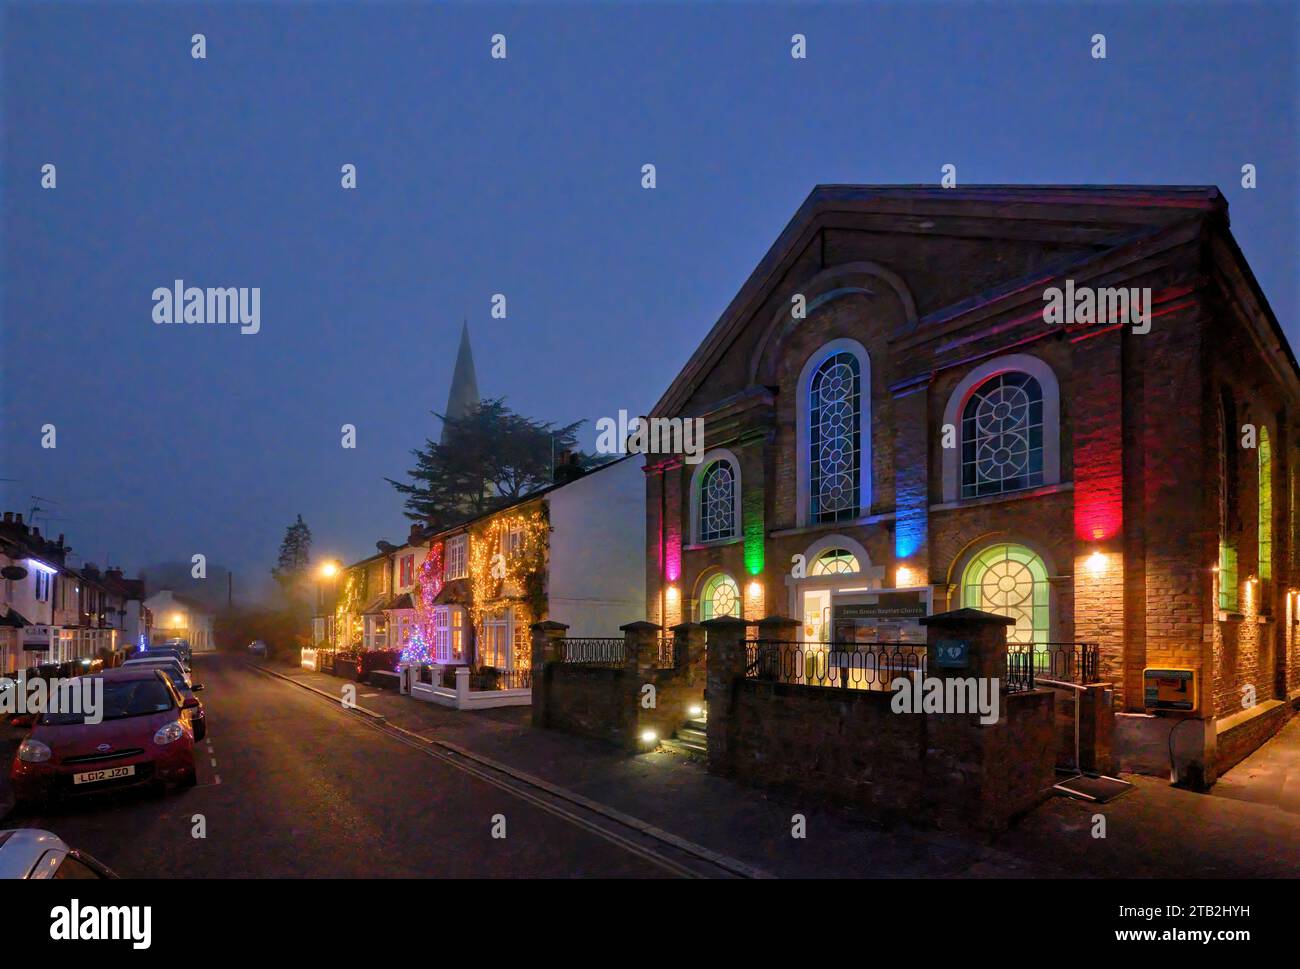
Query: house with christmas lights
{"x": 900, "y": 420}
{"x": 569, "y": 552}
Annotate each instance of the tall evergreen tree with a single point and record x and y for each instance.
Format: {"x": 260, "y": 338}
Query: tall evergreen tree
{"x": 487, "y": 457}
{"x": 295, "y": 553}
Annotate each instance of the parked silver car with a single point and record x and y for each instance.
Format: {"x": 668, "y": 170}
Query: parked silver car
{"x": 30, "y": 853}
{"x": 160, "y": 662}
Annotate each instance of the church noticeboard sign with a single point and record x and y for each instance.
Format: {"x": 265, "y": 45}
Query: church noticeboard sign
{"x": 887, "y": 605}
{"x": 952, "y": 653}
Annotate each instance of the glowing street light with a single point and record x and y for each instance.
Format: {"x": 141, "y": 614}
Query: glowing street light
{"x": 328, "y": 570}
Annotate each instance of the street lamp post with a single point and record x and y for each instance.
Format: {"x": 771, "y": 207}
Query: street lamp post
{"x": 328, "y": 572}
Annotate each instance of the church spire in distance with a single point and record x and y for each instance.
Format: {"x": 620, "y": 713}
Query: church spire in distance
{"x": 464, "y": 384}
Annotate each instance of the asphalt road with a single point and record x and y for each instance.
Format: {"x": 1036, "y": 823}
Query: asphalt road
{"x": 291, "y": 786}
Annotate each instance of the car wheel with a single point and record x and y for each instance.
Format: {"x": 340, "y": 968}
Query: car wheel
{"x": 200, "y": 730}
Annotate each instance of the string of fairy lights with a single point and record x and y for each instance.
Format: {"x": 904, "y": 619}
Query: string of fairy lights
{"x": 505, "y": 562}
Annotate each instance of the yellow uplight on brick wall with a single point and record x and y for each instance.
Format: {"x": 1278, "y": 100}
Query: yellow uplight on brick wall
{"x": 672, "y": 594}
{"x": 1096, "y": 562}
{"x": 904, "y": 577}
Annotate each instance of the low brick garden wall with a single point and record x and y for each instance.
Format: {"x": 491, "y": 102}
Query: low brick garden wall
{"x": 848, "y": 747}
{"x": 606, "y": 698}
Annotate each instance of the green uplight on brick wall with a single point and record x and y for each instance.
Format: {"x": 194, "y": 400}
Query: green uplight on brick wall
{"x": 754, "y": 546}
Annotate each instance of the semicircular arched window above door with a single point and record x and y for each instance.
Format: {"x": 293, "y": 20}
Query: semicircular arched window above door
{"x": 835, "y": 561}
{"x": 1010, "y": 580}
{"x": 720, "y": 597}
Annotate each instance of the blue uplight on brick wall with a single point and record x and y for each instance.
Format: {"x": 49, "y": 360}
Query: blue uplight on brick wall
{"x": 912, "y": 517}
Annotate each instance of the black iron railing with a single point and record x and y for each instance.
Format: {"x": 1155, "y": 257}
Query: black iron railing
{"x": 855, "y": 666}
{"x": 669, "y": 657}
{"x": 1020, "y": 671}
{"x": 595, "y": 652}
{"x": 489, "y": 678}
{"x": 1078, "y": 663}
{"x": 875, "y": 666}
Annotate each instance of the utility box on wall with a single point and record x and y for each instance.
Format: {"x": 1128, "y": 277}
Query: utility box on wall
{"x": 1169, "y": 689}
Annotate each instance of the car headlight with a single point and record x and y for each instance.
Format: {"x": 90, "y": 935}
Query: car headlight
{"x": 33, "y": 751}
{"x": 169, "y": 733}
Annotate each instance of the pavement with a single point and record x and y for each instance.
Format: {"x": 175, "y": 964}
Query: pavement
{"x": 291, "y": 785}
{"x": 1247, "y": 827}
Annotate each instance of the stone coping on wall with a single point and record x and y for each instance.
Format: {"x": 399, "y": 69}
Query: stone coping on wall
{"x": 1241, "y": 733}
{"x": 1235, "y": 721}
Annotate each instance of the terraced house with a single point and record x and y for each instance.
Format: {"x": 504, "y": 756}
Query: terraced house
{"x": 893, "y": 429}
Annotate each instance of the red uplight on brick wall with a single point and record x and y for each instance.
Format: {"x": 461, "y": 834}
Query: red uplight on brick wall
{"x": 1098, "y": 516}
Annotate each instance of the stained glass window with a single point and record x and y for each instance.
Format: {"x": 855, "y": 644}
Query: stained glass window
{"x": 1002, "y": 436}
{"x": 835, "y": 561}
{"x": 717, "y": 502}
{"x": 1010, "y": 580}
{"x": 835, "y": 452}
{"x": 1265, "y": 509}
{"x": 720, "y": 597}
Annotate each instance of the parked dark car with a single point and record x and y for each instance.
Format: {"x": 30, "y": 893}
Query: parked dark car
{"x": 143, "y": 739}
{"x": 197, "y": 715}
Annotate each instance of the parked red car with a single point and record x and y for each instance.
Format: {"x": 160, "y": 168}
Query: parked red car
{"x": 143, "y": 739}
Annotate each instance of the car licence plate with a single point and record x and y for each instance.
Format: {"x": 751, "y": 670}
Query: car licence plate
{"x": 108, "y": 774}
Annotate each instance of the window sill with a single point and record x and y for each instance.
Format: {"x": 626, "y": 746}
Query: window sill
{"x": 720, "y": 543}
{"x": 835, "y": 526}
{"x": 1039, "y": 492}
{"x": 1233, "y": 617}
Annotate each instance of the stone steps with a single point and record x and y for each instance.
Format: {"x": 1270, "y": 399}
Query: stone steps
{"x": 691, "y": 739}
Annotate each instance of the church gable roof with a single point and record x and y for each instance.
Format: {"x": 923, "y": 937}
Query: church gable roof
{"x": 1091, "y": 219}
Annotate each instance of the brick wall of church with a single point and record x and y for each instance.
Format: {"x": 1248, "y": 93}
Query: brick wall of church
{"x": 1131, "y": 534}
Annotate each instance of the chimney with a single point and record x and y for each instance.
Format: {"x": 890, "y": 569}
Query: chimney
{"x": 416, "y": 535}
{"x": 115, "y": 574}
{"x": 9, "y": 518}
{"x": 19, "y": 518}
{"x": 568, "y": 468}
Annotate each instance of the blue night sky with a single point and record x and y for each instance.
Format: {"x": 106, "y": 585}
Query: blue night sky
{"x": 521, "y": 176}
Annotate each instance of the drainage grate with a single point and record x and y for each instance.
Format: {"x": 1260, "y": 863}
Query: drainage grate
{"x": 1097, "y": 789}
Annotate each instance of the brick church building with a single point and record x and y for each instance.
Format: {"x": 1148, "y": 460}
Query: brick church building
{"x": 894, "y": 428}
